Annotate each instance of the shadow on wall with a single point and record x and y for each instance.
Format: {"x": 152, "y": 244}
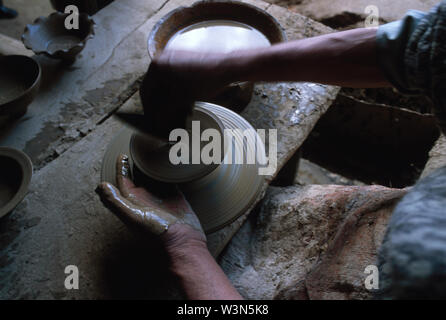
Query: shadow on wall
{"x": 372, "y": 143}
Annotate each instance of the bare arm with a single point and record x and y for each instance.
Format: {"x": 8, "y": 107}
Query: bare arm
{"x": 199, "y": 274}
{"x": 347, "y": 58}
{"x": 176, "y": 79}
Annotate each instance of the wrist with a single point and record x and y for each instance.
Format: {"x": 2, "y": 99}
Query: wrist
{"x": 187, "y": 256}
{"x": 180, "y": 240}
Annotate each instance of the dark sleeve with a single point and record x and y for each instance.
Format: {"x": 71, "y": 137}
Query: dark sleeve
{"x": 412, "y": 54}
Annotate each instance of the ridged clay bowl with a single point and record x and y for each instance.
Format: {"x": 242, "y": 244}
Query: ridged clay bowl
{"x": 218, "y": 194}
{"x": 151, "y": 156}
{"x": 50, "y": 37}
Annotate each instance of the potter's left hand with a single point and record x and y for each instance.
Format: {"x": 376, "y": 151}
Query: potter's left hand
{"x": 170, "y": 218}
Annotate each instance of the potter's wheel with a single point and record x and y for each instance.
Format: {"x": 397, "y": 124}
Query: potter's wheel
{"x": 224, "y": 194}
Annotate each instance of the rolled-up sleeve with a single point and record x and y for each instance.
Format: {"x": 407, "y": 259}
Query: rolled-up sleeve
{"x": 412, "y": 55}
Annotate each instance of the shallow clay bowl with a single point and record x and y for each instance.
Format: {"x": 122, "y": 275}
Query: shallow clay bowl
{"x": 19, "y": 84}
{"x": 50, "y": 37}
{"x": 151, "y": 156}
{"x": 15, "y": 175}
{"x": 238, "y": 95}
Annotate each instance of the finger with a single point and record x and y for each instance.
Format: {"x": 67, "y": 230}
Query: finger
{"x": 113, "y": 200}
{"x": 123, "y": 178}
{"x": 127, "y": 188}
{"x": 129, "y": 213}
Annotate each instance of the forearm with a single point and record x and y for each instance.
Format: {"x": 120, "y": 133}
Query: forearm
{"x": 343, "y": 58}
{"x": 200, "y": 276}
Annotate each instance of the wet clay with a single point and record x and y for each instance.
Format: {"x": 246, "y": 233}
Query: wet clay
{"x": 221, "y": 36}
{"x": 137, "y": 206}
{"x": 152, "y": 157}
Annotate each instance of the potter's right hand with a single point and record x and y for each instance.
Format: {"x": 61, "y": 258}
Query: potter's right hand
{"x": 171, "y": 218}
{"x": 174, "y": 81}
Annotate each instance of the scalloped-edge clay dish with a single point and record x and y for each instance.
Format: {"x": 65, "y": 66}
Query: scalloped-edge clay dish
{"x": 50, "y": 37}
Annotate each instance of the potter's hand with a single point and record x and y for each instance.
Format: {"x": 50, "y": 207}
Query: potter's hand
{"x": 179, "y": 229}
{"x": 174, "y": 81}
{"x": 171, "y": 218}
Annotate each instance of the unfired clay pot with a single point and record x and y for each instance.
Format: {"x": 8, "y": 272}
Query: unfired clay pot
{"x": 50, "y": 37}
{"x": 152, "y": 155}
{"x": 19, "y": 84}
{"x": 15, "y": 175}
{"x": 218, "y": 194}
{"x": 236, "y": 96}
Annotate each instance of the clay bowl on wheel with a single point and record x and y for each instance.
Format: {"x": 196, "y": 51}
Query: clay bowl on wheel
{"x": 19, "y": 84}
{"x": 50, "y": 36}
{"x": 152, "y": 156}
{"x": 217, "y": 26}
{"x": 218, "y": 194}
{"x": 15, "y": 175}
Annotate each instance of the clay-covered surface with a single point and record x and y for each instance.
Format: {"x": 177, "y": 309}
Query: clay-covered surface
{"x": 310, "y": 242}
